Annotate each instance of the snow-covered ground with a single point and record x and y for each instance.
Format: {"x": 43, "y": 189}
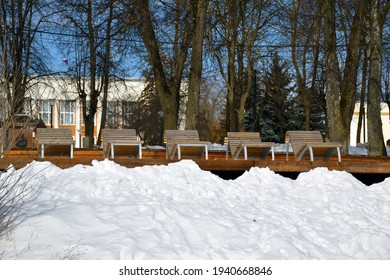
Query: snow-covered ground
{"x": 106, "y": 211}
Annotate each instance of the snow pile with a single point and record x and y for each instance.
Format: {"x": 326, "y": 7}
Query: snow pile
{"x": 106, "y": 211}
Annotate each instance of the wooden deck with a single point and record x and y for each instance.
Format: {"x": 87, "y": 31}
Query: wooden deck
{"x": 216, "y": 162}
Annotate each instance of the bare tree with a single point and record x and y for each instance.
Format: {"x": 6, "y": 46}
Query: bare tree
{"x": 237, "y": 27}
{"x": 341, "y": 86}
{"x": 22, "y": 56}
{"x": 305, "y": 28}
{"x": 348, "y": 90}
{"x": 167, "y": 50}
{"x": 17, "y": 187}
{"x": 211, "y": 125}
{"x": 363, "y": 90}
{"x": 95, "y": 26}
{"x": 378, "y": 13}
{"x": 332, "y": 76}
{"x": 199, "y": 9}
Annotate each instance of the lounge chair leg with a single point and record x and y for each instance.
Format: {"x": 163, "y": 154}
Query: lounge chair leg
{"x": 237, "y": 153}
{"x": 206, "y": 152}
{"x": 245, "y": 153}
{"x": 273, "y": 153}
{"x": 178, "y": 152}
{"x": 140, "y": 151}
{"x": 287, "y": 150}
{"x": 339, "y": 154}
{"x": 173, "y": 152}
{"x": 112, "y": 150}
{"x": 71, "y": 151}
{"x": 42, "y": 150}
{"x": 311, "y": 154}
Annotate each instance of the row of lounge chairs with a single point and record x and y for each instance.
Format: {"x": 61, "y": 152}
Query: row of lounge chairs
{"x": 180, "y": 143}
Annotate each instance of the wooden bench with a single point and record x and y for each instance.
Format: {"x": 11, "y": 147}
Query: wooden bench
{"x": 124, "y": 141}
{"x": 59, "y": 137}
{"x": 186, "y": 143}
{"x": 250, "y": 144}
{"x": 311, "y": 142}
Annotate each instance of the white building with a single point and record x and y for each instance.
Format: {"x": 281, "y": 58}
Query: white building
{"x": 57, "y": 104}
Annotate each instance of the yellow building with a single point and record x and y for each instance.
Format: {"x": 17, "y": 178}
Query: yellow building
{"x": 363, "y": 137}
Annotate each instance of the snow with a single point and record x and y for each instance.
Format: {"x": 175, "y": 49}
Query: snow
{"x": 107, "y": 211}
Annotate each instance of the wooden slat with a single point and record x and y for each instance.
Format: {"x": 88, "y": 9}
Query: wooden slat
{"x": 49, "y": 138}
{"x": 300, "y": 140}
{"x": 124, "y": 140}
{"x": 252, "y": 140}
{"x": 54, "y": 136}
{"x": 184, "y": 137}
{"x": 216, "y": 162}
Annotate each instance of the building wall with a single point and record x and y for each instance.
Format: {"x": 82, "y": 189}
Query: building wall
{"x": 363, "y": 137}
{"x": 45, "y": 99}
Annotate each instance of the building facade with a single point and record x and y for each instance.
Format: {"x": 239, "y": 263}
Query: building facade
{"x": 363, "y": 137}
{"x": 57, "y": 103}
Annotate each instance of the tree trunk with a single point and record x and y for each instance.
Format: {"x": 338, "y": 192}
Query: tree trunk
{"x": 362, "y": 109}
{"x": 231, "y": 119}
{"x": 106, "y": 71}
{"x": 332, "y": 74}
{"x": 349, "y": 84}
{"x": 90, "y": 117}
{"x": 376, "y": 146}
{"x": 167, "y": 90}
{"x": 195, "y": 76}
{"x": 300, "y": 72}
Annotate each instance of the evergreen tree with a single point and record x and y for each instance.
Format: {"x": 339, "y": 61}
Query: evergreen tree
{"x": 278, "y": 108}
{"x": 148, "y": 118}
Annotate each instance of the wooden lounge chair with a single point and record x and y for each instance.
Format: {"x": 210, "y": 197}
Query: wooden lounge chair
{"x": 310, "y": 142}
{"x": 185, "y": 143}
{"x": 122, "y": 141}
{"x": 55, "y": 141}
{"x": 248, "y": 143}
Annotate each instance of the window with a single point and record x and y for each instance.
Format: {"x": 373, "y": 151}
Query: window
{"x": 128, "y": 109}
{"x": 87, "y": 108}
{"x": 67, "y": 112}
{"x": 4, "y": 111}
{"x": 112, "y": 114}
{"x": 45, "y": 108}
{"x": 27, "y": 106}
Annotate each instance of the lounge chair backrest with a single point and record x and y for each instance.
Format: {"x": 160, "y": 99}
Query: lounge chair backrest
{"x": 174, "y": 136}
{"x": 298, "y": 139}
{"x": 47, "y": 137}
{"x": 121, "y": 141}
{"x": 184, "y": 143}
{"x": 235, "y": 139}
{"x": 118, "y": 136}
{"x": 54, "y": 136}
